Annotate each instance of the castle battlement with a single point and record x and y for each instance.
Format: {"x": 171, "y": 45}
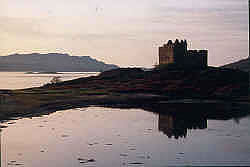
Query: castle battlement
{"x": 177, "y": 53}
{"x": 177, "y": 43}
{"x": 198, "y": 52}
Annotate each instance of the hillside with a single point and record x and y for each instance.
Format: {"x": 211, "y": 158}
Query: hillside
{"x": 210, "y": 82}
{"x": 52, "y": 62}
{"x": 243, "y": 65}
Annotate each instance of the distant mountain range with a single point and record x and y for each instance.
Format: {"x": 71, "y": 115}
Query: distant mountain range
{"x": 243, "y": 65}
{"x": 52, "y": 62}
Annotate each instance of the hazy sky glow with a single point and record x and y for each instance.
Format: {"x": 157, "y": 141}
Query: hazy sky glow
{"x": 126, "y": 33}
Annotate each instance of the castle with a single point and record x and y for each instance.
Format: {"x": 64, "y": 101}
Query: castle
{"x": 177, "y": 53}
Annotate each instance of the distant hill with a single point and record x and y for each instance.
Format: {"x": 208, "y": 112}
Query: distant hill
{"x": 52, "y": 62}
{"x": 243, "y": 65}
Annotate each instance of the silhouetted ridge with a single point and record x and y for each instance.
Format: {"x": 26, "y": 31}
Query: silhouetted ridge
{"x": 209, "y": 82}
{"x": 52, "y": 62}
{"x": 243, "y": 65}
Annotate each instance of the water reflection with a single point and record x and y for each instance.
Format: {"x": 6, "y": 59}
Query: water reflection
{"x": 177, "y": 126}
{"x": 107, "y": 137}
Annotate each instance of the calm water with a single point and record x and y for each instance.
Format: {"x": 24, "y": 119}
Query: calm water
{"x": 123, "y": 137}
{"x": 20, "y": 80}
{"x": 107, "y": 137}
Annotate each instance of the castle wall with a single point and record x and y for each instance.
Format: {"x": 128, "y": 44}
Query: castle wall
{"x": 197, "y": 58}
{"x": 166, "y": 55}
{"x": 177, "y": 53}
{"x": 180, "y": 52}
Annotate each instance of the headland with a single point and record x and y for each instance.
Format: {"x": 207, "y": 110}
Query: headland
{"x": 133, "y": 87}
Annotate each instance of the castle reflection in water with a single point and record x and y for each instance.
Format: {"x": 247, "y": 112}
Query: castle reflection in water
{"x": 177, "y": 126}
{"x": 175, "y": 123}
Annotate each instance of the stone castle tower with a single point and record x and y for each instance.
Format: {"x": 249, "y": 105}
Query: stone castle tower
{"x": 177, "y": 53}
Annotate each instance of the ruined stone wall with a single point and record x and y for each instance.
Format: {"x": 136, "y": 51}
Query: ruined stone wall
{"x": 178, "y": 54}
{"x": 166, "y": 54}
{"x": 197, "y": 58}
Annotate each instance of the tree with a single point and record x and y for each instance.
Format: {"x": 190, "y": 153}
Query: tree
{"x": 55, "y": 80}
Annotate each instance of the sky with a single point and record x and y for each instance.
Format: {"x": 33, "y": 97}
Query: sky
{"x": 127, "y": 33}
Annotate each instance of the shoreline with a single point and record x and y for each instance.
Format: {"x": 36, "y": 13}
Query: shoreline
{"x": 13, "y": 107}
